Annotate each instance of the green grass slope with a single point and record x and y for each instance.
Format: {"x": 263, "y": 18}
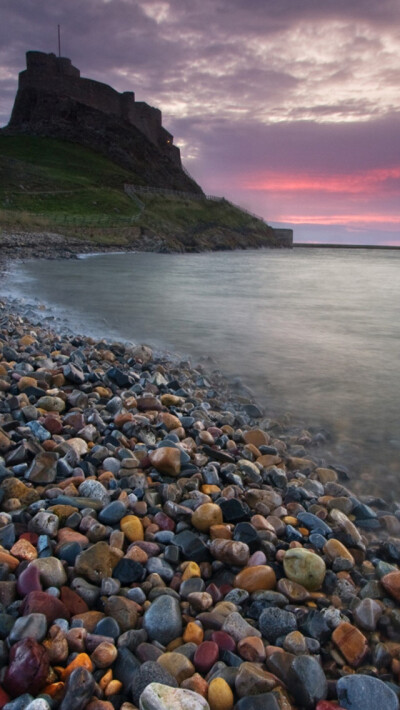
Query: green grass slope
{"x": 64, "y": 187}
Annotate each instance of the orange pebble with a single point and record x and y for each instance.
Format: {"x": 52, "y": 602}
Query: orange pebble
{"x": 220, "y": 531}
{"x": 106, "y": 679}
{"x": 193, "y": 633}
{"x": 55, "y": 690}
{"x": 209, "y": 489}
{"x": 9, "y": 560}
{"x": 82, "y": 660}
{"x": 113, "y": 688}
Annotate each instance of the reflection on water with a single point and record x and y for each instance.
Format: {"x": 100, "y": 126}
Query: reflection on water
{"x": 312, "y": 332}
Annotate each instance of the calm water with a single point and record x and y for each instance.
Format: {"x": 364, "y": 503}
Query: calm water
{"x": 313, "y": 332}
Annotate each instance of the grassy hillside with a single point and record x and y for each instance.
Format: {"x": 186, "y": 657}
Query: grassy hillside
{"x": 64, "y": 187}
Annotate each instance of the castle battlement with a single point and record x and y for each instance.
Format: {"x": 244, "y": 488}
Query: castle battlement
{"x": 49, "y": 74}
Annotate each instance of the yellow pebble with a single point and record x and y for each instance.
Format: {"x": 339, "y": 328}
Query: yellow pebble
{"x": 132, "y": 526}
{"x": 290, "y": 520}
{"x": 192, "y": 569}
{"x": 220, "y": 696}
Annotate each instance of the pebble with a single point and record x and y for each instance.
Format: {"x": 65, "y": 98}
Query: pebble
{"x": 307, "y": 681}
{"x": 275, "y": 622}
{"x": 148, "y": 673}
{"x": 162, "y": 697}
{"x": 163, "y": 620}
{"x": 363, "y": 692}
{"x": 150, "y": 533}
{"x": 255, "y": 578}
{"x": 305, "y": 568}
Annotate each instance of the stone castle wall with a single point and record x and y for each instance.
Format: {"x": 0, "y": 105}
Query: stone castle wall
{"x": 56, "y": 75}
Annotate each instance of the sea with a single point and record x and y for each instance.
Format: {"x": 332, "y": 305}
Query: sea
{"x": 314, "y": 334}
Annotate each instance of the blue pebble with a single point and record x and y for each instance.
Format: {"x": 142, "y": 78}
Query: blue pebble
{"x": 293, "y": 535}
{"x": 317, "y": 540}
{"x": 39, "y": 431}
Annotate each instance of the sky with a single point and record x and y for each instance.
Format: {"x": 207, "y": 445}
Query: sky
{"x": 289, "y": 108}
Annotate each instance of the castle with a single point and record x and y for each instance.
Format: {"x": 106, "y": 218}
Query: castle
{"x": 57, "y": 76}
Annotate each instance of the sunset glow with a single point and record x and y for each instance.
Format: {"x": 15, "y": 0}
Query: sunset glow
{"x": 289, "y": 109}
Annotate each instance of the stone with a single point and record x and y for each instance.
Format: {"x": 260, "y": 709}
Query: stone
{"x": 295, "y": 592}
{"x": 264, "y": 701}
{"x": 14, "y": 488}
{"x": 206, "y": 515}
{"x": 43, "y": 468}
{"x": 123, "y": 611}
{"x": 162, "y": 697}
{"x": 307, "y": 681}
{"x": 166, "y": 460}
{"x": 96, "y": 562}
{"x": 253, "y": 680}
{"x": 207, "y": 653}
{"x": 257, "y": 437}
{"x": 163, "y": 620}
{"x": 51, "y": 571}
{"x": 149, "y": 672}
{"x": 112, "y": 513}
{"x": 177, "y": 665}
{"x": 38, "y": 602}
{"x": 44, "y": 523}
{"x": 255, "y": 578}
{"x": 29, "y": 580}
{"x": 275, "y": 622}
{"x": 220, "y": 696}
{"x": 30, "y": 626}
{"x": 391, "y": 582}
{"x": 24, "y": 550}
{"x": 363, "y": 692}
{"x": 93, "y": 489}
{"x": 252, "y": 649}
{"x": 238, "y": 628}
{"x": 28, "y": 668}
{"x": 132, "y": 528}
{"x": 104, "y": 655}
{"x": 304, "y": 567}
{"x": 51, "y": 404}
{"x": 351, "y": 643}
{"x": 367, "y": 614}
{"x": 334, "y": 548}
{"x": 230, "y": 552}
{"x": 79, "y": 690}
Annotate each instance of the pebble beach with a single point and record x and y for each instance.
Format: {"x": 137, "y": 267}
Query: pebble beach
{"x": 164, "y": 547}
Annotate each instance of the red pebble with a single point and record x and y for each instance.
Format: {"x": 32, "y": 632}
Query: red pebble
{"x": 4, "y": 698}
{"x": 223, "y": 641}
{"x": 74, "y": 603}
{"x": 28, "y": 668}
{"x": 326, "y": 705}
{"x": 207, "y": 653}
{"x": 164, "y": 522}
{"x": 53, "y": 424}
{"x": 30, "y": 536}
{"x": 215, "y": 593}
{"x": 43, "y": 603}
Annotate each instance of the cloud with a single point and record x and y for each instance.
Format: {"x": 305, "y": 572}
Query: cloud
{"x": 269, "y": 100}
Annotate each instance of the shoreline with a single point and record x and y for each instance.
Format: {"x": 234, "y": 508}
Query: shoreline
{"x": 155, "y": 525}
